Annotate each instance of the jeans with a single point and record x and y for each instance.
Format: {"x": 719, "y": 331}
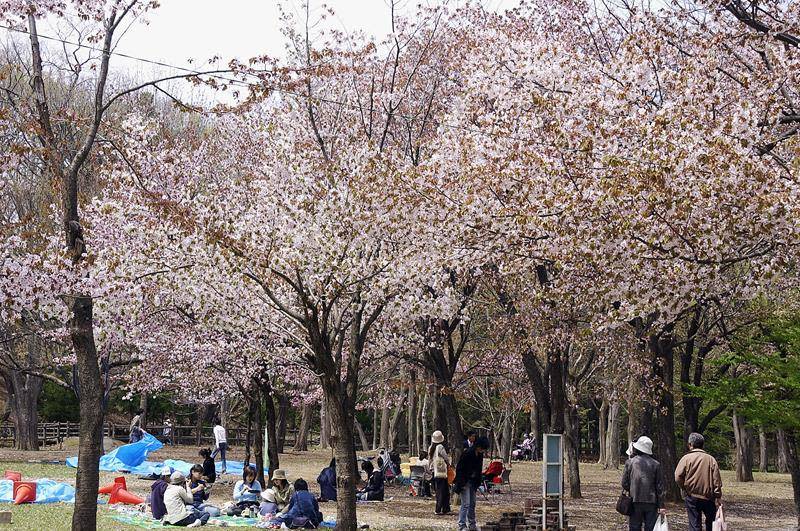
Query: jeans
{"x": 203, "y": 517}
{"x": 135, "y": 436}
{"x": 442, "y": 495}
{"x": 643, "y": 514}
{"x": 466, "y": 514}
{"x": 212, "y": 511}
{"x": 695, "y": 508}
{"x": 221, "y": 449}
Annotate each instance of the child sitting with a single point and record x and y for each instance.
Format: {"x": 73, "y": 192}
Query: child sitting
{"x": 373, "y": 491}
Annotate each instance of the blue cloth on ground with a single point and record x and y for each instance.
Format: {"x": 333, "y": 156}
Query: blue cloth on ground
{"x": 127, "y": 456}
{"x": 47, "y": 491}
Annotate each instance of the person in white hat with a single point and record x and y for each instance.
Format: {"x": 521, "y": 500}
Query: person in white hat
{"x": 643, "y": 480}
{"x": 439, "y": 462}
{"x": 157, "y": 490}
{"x": 268, "y": 506}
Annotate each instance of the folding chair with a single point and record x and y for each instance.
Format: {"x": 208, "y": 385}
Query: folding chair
{"x": 417, "y": 477}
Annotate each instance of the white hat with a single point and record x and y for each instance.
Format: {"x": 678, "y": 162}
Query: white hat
{"x": 629, "y": 451}
{"x": 437, "y": 437}
{"x": 269, "y": 495}
{"x": 177, "y": 478}
{"x": 644, "y": 445}
{"x": 165, "y": 471}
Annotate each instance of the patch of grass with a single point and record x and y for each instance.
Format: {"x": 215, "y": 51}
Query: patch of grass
{"x": 53, "y": 517}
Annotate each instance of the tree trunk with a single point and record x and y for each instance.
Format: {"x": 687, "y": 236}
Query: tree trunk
{"x": 612, "y": 437}
{"x": 744, "y": 448}
{"x": 347, "y": 475}
{"x": 793, "y": 462}
{"x": 782, "y": 461}
{"x": 398, "y": 411}
{"x": 508, "y": 437}
{"x": 23, "y": 399}
{"x": 283, "y": 415}
{"x": 571, "y": 442}
{"x": 762, "y": 450}
{"x": 449, "y": 422}
{"x": 411, "y": 415}
{"x": 143, "y": 407}
{"x": 251, "y": 411}
{"x": 602, "y": 423}
{"x": 301, "y": 443}
{"x": 272, "y": 431}
{"x": 662, "y": 417}
{"x": 324, "y": 425}
{"x": 385, "y": 427}
{"x": 537, "y": 436}
{"x": 362, "y": 436}
{"x": 258, "y": 443}
{"x": 422, "y": 434}
{"x": 374, "y": 428}
{"x": 90, "y": 431}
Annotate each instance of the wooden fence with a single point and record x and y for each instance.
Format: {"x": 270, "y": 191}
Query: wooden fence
{"x": 54, "y": 433}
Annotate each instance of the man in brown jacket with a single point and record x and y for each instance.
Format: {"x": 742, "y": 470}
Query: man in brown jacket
{"x": 697, "y": 474}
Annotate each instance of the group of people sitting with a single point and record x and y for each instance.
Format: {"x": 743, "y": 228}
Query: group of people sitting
{"x": 181, "y": 501}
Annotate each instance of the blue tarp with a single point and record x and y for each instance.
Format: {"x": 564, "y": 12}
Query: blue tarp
{"x": 127, "y": 456}
{"x": 149, "y": 467}
{"x": 47, "y": 491}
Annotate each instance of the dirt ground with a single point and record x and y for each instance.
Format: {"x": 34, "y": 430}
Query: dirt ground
{"x": 765, "y": 504}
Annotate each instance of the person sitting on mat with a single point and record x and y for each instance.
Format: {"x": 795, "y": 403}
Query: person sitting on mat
{"x": 200, "y": 489}
{"x": 282, "y": 489}
{"x": 303, "y": 510}
{"x": 246, "y": 492}
{"x": 327, "y": 482}
{"x": 176, "y": 498}
{"x": 373, "y": 490}
{"x": 157, "y": 490}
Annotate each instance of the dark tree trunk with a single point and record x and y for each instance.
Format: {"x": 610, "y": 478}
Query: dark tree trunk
{"x": 283, "y": 415}
{"x": 324, "y": 425}
{"x": 744, "y": 448}
{"x": 793, "y": 463}
{"x": 143, "y": 407}
{"x": 411, "y": 414}
{"x": 347, "y": 476}
{"x": 272, "y": 429}
{"x": 572, "y": 436}
{"x": 90, "y": 389}
{"x": 362, "y": 436}
{"x": 662, "y": 418}
{"x": 252, "y": 410}
{"x": 602, "y": 424}
{"x": 449, "y": 421}
{"x": 782, "y": 461}
{"x": 301, "y": 443}
{"x": 374, "y": 428}
{"x": 23, "y": 397}
{"x": 258, "y": 442}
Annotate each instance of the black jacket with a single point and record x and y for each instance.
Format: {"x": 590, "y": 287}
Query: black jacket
{"x": 642, "y": 478}
{"x": 469, "y": 470}
{"x": 374, "y": 488}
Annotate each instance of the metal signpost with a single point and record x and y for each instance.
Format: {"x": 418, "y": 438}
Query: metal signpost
{"x": 553, "y": 476}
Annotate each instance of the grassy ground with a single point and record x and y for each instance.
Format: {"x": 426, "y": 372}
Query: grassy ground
{"x": 765, "y": 504}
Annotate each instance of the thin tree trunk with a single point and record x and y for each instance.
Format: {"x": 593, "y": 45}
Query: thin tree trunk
{"x": 743, "y": 449}
{"x": 762, "y": 450}
{"x": 385, "y": 427}
{"x": 324, "y": 425}
{"x": 508, "y": 436}
{"x": 612, "y": 437}
{"x": 374, "y": 428}
{"x": 251, "y": 411}
{"x": 258, "y": 443}
{"x": 602, "y": 423}
{"x": 793, "y": 462}
{"x": 272, "y": 431}
{"x": 411, "y": 415}
{"x": 301, "y": 443}
{"x": 143, "y": 407}
{"x": 361, "y": 435}
{"x": 422, "y": 429}
{"x": 398, "y": 411}
{"x": 537, "y": 436}
{"x": 782, "y": 461}
{"x": 571, "y": 439}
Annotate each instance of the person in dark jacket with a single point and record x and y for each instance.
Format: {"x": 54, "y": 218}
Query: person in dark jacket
{"x": 469, "y": 475}
{"x": 303, "y": 508}
{"x": 642, "y": 479}
{"x": 373, "y": 491}
{"x": 327, "y": 482}
{"x": 157, "y": 489}
{"x": 209, "y": 468}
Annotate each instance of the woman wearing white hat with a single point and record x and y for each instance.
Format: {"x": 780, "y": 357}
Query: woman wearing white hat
{"x": 439, "y": 461}
{"x": 643, "y": 480}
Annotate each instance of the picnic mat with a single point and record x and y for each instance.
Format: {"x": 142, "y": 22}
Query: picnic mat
{"x": 137, "y": 519}
{"x": 126, "y": 456}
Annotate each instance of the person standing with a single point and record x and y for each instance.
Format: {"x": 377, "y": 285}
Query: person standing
{"x": 469, "y": 439}
{"x": 468, "y": 478}
{"x": 439, "y": 463}
{"x": 221, "y": 442}
{"x": 136, "y": 427}
{"x": 697, "y": 474}
{"x": 642, "y": 478}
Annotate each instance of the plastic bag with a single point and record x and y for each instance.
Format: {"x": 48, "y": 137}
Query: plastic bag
{"x": 719, "y": 521}
{"x": 661, "y": 523}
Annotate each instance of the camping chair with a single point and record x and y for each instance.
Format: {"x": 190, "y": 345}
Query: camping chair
{"x": 505, "y": 479}
{"x": 417, "y": 478}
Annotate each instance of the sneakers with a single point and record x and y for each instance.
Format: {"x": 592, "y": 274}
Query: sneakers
{"x": 196, "y": 523}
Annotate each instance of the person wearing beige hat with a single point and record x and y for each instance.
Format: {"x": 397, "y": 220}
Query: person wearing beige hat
{"x": 282, "y": 490}
{"x": 176, "y": 499}
{"x": 439, "y": 462}
{"x": 643, "y": 480}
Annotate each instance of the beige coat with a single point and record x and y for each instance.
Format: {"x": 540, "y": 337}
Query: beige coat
{"x": 175, "y": 500}
{"x": 697, "y": 474}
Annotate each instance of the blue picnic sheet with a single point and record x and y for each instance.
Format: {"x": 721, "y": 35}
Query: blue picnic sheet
{"x": 125, "y": 457}
{"x": 154, "y": 467}
{"x": 47, "y": 491}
